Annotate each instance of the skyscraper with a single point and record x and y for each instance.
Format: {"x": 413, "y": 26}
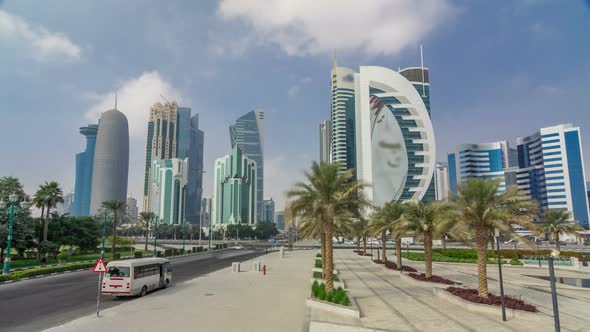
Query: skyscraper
{"x": 234, "y": 194}
{"x": 268, "y": 210}
{"x": 84, "y": 171}
{"x": 168, "y": 180}
{"x": 342, "y": 118}
{"x": 206, "y": 210}
{"x": 280, "y": 220}
{"x": 195, "y": 174}
{"x": 111, "y": 160}
{"x": 132, "y": 210}
{"x": 395, "y": 146}
{"x": 442, "y": 181}
{"x": 484, "y": 160}
{"x": 551, "y": 170}
{"x": 67, "y": 206}
{"x": 162, "y": 140}
{"x": 325, "y": 128}
{"x": 248, "y": 134}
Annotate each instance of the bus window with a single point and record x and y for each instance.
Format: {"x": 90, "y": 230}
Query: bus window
{"x": 167, "y": 267}
{"x": 118, "y": 271}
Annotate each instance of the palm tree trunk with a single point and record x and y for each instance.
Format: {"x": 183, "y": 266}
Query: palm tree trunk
{"x": 114, "y": 244}
{"x": 46, "y": 224}
{"x": 358, "y": 244}
{"x": 324, "y": 255}
{"x": 328, "y": 262}
{"x": 364, "y": 245}
{"x": 444, "y": 241}
{"x": 428, "y": 255}
{"x": 383, "y": 246}
{"x": 481, "y": 238}
{"x": 147, "y": 232}
{"x": 557, "y": 244}
{"x": 398, "y": 252}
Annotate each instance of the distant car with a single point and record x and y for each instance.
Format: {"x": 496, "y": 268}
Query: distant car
{"x": 390, "y": 243}
{"x": 237, "y": 247}
{"x": 562, "y": 243}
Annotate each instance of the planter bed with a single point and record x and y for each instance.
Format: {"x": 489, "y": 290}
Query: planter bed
{"x": 469, "y": 299}
{"x": 393, "y": 266}
{"x": 437, "y": 279}
{"x": 345, "y": 305}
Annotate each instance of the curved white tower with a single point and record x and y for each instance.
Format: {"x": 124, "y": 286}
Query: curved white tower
{"x": 395, "y": 147}
{"x": 111, "y": 160}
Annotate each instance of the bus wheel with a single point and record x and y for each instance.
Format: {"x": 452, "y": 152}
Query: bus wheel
{"x": 166, "y": 283}
{"x": 143, "y": 291}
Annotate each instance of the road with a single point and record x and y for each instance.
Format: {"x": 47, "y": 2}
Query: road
{"x": 38, "y": 304}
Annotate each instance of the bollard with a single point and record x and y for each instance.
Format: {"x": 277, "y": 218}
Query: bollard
{"x": 282, "y": 251}
{"x": 235, "y": 267}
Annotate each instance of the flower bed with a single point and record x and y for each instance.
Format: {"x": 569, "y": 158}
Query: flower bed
{"x": 393, "y": 266}
{"x": 441, "y": 280}
{"x": 319, "y": 276}
{"x": 471, "y": 295}
{"x": 338, "y": 296}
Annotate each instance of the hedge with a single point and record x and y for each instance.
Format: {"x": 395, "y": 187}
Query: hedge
{"x": 45, "y": 270}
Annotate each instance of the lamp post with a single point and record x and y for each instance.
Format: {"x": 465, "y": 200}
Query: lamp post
{"x": 155, "y": 237}
{"x": 556, "y": 322}
{"x": 24, "y": 206}
{"x": 104, "y": 234}
{"x": 538, "y": 254}
{"x": 183, "y": 234}
{"x": 500, "y": 275}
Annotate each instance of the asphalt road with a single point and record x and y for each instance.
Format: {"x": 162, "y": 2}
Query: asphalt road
{"x": 38, "y": 304}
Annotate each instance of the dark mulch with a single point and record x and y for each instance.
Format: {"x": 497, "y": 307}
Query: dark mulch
{"x": 422, "y": 277}
{"x": 393, "y": 266}
{"x": 472, "y": 296}
{"x": 378, "y": 261}
{"x": 361, "y": 253}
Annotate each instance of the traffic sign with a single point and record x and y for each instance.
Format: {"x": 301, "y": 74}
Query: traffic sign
{"x": 99, "y": 267}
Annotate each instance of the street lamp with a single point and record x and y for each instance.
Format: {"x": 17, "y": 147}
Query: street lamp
{"x": 156, "y": 237}
{"x": 500, "y": 275}
{"x": 554, "y": 254}
{"x": 25, "y": 205}
{"x": 183, "y": 233}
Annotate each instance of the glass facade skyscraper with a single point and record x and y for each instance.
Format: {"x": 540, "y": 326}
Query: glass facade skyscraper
{"x": 484, "y": 160}
{"x": 84, "y": 171}
{"x": 342, "y": 118}
{"x": 268, "y": 210}
{"x": 325, "y": 133}
{"x": 248, "y": 134}
{"x": 551, "y": 170}
{"x": 168, "y": 180}
{"x": 195, "y": 175}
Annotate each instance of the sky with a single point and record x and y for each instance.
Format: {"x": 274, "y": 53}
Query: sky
{"x": 498, "y": 70}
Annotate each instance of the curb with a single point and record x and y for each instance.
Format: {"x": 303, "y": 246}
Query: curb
{"x": 42, "y": 276}
{"x": 352, "y": 311}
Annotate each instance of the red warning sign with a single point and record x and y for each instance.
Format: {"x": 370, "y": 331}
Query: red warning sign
{"x": 99, "y": 267}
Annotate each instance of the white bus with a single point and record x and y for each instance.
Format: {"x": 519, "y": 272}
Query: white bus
{"x": 136, "y": 276}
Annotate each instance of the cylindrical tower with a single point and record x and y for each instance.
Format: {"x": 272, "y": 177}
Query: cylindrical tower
{"x": 111, "y": 160}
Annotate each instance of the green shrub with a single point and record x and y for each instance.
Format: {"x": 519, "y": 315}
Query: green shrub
{"x": 116, "y": 256}
{"x": 45, "y": 270}
{"x": 159, "y": 253}
{"x": 167, "y": 252}
{"x": 329, "y": 296}
{"x": 318, "y": 255}
{"x": 138, "y": 254}
{"x": 64, "y": 257}
{"x": 322, "y": 292}
{"x": 516, "y": 262}
{"x": 318, "y": 264}
{"x": 315, "y": 288}
{"x": 194, "y": 250}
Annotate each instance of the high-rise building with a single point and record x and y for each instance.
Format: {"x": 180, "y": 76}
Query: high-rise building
{"x": 395, "y": 146}
{"x": 162, "y": 141}
{"x": 268, "y": 210}
{"x": 84, "y": 171}
{"x": 194, "y": 190}
{"x": 342, "y": 118}
{"x": 280, "y": 220}
{"x": 248, "y": 134}
{"x": 484, "y": 160}
{"x": 551, "y": 170}
{"x": 132, "y": 210}
{"x": 168, "y": 180}
{"x": 111, "y": 160}
{"x": 235, "y": 191}
{"x": 325, "y": 141}
{"x": 206, "y": 210}
{"x": 67, "y": 206}
{"x": 512, "y": 157}
{"x": 442, "y": 181}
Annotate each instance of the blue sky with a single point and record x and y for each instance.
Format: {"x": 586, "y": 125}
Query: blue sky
{"x": 499, "y": 69}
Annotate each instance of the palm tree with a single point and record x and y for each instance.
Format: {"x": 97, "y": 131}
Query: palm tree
{"x": 48, "y": 196}
{"x": 329, "y": 197}
{"x": 388, "y": 219}
{"x": 115, "y": 207}
{"x": 427, "y": 221}
{"x": 359, "y": 231}
{"x": 378, "y": 227}
{"x": 145, "y": 220}
{"x": 555, "y": 222}
{"x": 480, "y": 208}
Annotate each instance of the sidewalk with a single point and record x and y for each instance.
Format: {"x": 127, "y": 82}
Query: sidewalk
{"x": 391, "y": 304}
{"x": 220, "y": 301}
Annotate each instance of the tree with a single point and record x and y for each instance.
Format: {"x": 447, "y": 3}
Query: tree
{"x": 328, "y": 197}
{"x": 10, "y": 185}
{"x": 116, "y": 208}
{"x": 555, "y": 222}
{"x": 480, "y": 208}
{"x": 23, "y": 232}
{"x": 387, "y": 219}
{"x": 427, "y": 221}
{"x": 48, "y": 196}
{"x": 145, "y": 220}
{"x": 265, "y": 230}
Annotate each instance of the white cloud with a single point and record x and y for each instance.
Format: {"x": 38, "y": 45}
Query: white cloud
{"x": 41, "y": 44}
{"x": 311, "y": 27}
{"x": 135, "y": 97}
